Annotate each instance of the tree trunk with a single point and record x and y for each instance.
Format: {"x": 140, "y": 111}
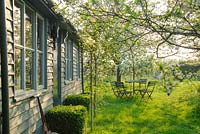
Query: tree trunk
{"x": 133, "y": 69}
{"x": 95, "y": 83}
{"x": 118, "y": 73}
{"x": 91, "y": 92}
{"x": 95, "y": 70}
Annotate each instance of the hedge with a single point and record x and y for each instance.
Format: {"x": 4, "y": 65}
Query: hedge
{"x": 66, "y": 119}
{"x": 78, "y": 99}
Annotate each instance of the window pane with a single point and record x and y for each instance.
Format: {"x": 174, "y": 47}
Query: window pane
{"x": 71, "y": 60}
{"x": 66, "y": 67}
{"x": 18, "y": 68}
{"x": 66, "y": 58}
{"x": 79, "y": 64}
{"x": 17, "y": 23}
{"x": 39, "y": 68}
{"x": 68, "y": 61}
{"x": 28, "y": 27}
{"x": 29, "y": 71}
{"x": 40, "y": 32}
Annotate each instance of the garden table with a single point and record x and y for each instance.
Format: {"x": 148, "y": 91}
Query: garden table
{"x": 142, "y": 84}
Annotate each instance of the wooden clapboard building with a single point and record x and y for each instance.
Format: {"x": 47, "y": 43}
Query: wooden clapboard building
{"x": 40, "y": 56}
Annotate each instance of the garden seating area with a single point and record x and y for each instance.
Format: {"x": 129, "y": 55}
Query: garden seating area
{"x": 174, "y": 114}
{"x": 140, "y": 87}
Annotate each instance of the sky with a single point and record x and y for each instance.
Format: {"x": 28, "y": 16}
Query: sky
{"x": 160, "y": 6}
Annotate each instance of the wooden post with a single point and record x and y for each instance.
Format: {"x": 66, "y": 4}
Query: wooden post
{"x": 4, "y": 69}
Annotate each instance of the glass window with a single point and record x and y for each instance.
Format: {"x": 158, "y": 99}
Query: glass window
{"x": 29, "y": 66}
{"x": 18, "y": 23}
{"x": 29, "y": 47}
{"x": 39, "y": 70}
{"x": 18, "y": 68}
{"x": 29, "y": 51}
{"x": 66, "y": 58}
{"x": 69, "y": 60}
{"x": 28, "y": 27}
{"x": 79, "y": 64}
{"x": 18, "y": 8}
{"x": 40, "y": 33}
{"x": 40, "y": 51}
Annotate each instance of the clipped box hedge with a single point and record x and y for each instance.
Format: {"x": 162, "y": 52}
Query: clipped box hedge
{"x": 78, "y": 99}
{"x": 66, "y": 119}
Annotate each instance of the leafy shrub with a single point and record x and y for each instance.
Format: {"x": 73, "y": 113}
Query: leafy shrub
{"x": 78, "y": 99}
{"x": 197, "y": 110}
{"x": 198, "y": 90}
{"x": 66, "y": 119}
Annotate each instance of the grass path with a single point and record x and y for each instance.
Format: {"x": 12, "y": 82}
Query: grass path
{"x": 162, "y": 115}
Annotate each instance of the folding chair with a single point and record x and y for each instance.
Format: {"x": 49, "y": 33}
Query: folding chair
{"x": 124, "y": 92}
{"x": 142, "y": 86}
{"x": 142, "y": 83}
{"x": 149, "y": 89}
{"x": 118, "y": 88}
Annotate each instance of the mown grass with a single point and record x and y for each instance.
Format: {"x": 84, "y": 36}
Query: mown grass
{"x": 174, "y": 114}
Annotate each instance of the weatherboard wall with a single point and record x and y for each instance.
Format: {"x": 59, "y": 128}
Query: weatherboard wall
{"x": 73, "y": 86}
{"x": 24, "y": 111}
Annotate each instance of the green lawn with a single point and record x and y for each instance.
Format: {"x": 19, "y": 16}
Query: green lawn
{"x": 174, "y": 114}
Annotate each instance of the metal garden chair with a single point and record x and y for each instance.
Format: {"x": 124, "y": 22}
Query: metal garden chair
{"x": 148, "y": 90}
{"x": 120, "y": 90}
{"x": 142, "y": 86}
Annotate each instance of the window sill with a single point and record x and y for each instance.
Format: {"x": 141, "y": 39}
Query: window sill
{"x": 40, "y": 87}
{"x": 23, "y": 95}
{"x": 68, "y": 81}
